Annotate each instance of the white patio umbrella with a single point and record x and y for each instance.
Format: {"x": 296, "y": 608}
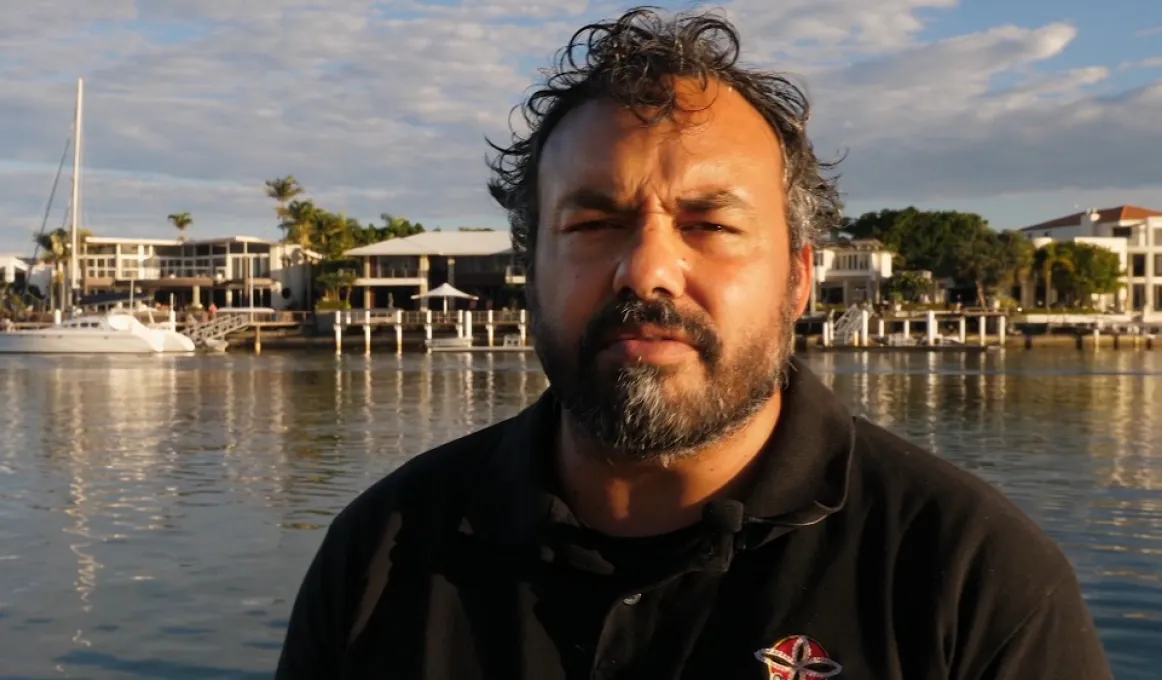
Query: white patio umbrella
{"x": 446, "y": 292}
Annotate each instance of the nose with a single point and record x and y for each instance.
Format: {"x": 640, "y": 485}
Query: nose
{"x": 652, "y": 263}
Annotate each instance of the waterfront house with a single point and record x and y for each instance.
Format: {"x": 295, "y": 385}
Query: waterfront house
{"x": 234, "y": 271}
{"x": 477, "y": 262}
{"x": 850, "y": 271}
{"x": 1134, "y": 233}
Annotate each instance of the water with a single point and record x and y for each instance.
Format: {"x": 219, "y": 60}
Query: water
{"x": 157, "y": 514}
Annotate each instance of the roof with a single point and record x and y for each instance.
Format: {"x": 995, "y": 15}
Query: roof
{"x": 1118, "y": 214}
{"x": 17, "y": 262}
{"x": 445, "y": 243}
{"x": 110, "y": 240}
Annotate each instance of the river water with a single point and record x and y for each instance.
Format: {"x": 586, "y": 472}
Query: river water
{"x": 156, "y": 515}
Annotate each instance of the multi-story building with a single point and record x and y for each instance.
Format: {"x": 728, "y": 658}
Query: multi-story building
{"x": 477, "y": 262}
{"x": 1135, "y": 233}
{"x": 237, "y": 271}
{"x": 850, "y": 271}
{"x": 482, "y": 263}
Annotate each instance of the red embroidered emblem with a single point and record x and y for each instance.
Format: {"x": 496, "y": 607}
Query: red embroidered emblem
{"x": 798, "y": 657}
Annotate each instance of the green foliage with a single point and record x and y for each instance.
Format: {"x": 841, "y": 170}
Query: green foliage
{"x": 330, "y": 234}
{"x": 927, "y": 240}
{"x": 1078, "y": 271}
{"x": 950, "y": 244}
{"x": 181, "y": 221}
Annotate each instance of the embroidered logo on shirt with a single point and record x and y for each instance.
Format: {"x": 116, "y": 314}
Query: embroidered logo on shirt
{"x": 798, "y": 657}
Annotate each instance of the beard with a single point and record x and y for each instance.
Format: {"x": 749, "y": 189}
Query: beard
{"x": 647, "y": 413}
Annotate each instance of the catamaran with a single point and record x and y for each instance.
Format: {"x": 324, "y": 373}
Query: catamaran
{"x": 111, "y": 332}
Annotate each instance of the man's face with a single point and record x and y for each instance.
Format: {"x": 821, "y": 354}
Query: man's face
{"x": 666, "y": 290}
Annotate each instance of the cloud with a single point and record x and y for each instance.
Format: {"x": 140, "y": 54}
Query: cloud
{"x": 385, "y": 106}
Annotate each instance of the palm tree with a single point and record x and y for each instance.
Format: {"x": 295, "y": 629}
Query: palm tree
{"x": 57, "y": 245}
{"x": 1049, "y": 258}
{"x": 283, "y": 190}
{"x": 182, "y": 221}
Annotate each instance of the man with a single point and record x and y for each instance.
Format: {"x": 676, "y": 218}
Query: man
{"x": 687, "y": 500}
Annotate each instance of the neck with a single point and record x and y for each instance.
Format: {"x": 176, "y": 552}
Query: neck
{"x": 646, "y": 499}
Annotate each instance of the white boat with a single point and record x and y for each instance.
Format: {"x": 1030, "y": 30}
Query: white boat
{"x": 110, "y": 333}
{"x": 113, "y": 332}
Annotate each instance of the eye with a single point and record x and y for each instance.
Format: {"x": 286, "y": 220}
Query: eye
{"x": 710, "y": 227}
{"x": 592, "y": 225}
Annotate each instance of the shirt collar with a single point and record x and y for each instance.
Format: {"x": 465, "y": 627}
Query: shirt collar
{"x": 801, "y": 478}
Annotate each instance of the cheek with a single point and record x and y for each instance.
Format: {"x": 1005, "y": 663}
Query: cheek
{"x": 748, "y": 306}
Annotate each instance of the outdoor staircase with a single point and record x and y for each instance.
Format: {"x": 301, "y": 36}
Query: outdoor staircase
{"x": 217, "y": 329}
{"x": 848, "y": 326}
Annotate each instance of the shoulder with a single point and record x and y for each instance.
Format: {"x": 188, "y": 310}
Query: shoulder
{"x": 954, "y": 535}
{"x": 432, "y": 482}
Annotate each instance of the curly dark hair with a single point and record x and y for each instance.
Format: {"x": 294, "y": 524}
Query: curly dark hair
{"x": 634, "y": 61}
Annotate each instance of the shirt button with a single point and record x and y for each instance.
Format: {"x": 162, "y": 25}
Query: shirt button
{"x": 633, "y": 599}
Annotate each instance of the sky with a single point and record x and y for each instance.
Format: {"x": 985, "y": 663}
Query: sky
{"x": 1021, "y": 112}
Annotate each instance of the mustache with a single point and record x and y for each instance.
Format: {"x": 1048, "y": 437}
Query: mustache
{"x": 628, "y": 311}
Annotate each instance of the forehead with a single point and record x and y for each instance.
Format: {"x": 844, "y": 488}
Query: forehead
{"x": 716, "y": 137}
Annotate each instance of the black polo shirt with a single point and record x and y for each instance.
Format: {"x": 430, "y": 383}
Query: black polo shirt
{"x": 852, "y": 554}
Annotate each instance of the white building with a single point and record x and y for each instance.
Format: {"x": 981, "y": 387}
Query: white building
{"x": 1135, "y": 233}
{"x": 235, "y": 271}
{"x": 850, "y": 271}
{"x": 15, "y": 269}
{"x": 477, "y": 262}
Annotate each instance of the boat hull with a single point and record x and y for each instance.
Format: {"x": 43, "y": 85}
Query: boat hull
{"x": 74, "y": 342}
{"x": 174, "y": 342}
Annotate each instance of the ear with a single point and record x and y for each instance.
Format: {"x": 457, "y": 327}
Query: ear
{"x": 804, "y": 259}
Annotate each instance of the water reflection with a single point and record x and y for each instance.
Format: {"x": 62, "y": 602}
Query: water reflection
{"x": 153, "y": 513}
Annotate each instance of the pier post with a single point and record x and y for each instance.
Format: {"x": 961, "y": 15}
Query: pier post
{"x": 930, "y": 328}
{"x": 981, "y": 320}
{"x": 367, "y": 331}
{"x": 398, "y": 323}
{"x": 428, "y": 325}
{"x": 962, "y": 334}
{"x": 338, "y": 332}
{"x": 468, "y": 324}
{"x": 523, "y": 327}
{"x": 490, "y": 328}
{"x": 907, "y": 330}
{"x": 1002, "y": 322}
{"x": 827, "y": 333}
{"x": 864, "y": 331}
{"x": 880, "y": 326}
{"x": 56, "y": 317}
{"x": 258, "y": 339}
{"x": 459, "y": 323}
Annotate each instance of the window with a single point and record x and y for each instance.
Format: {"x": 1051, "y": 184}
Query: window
{"x": 1138, "y": 265}
{"x": 1123, "y": 232}
{"x": 1158, "y": 239}
{"x": 1138, "y": 297}
{"x": 1158, "y": 297}
{"x": 1158, "y": 264}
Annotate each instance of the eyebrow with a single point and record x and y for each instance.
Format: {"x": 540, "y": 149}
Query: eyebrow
{"x": 601, "y": 201}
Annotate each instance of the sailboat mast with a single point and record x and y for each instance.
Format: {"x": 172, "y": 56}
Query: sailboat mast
{"x": 76, "y": 208}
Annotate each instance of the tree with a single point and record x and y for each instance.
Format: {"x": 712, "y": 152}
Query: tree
{"x": 283, "y": 190}
{"x": 1081, "y": 271}
{"x": 1017, "y": 258}
{"x": 950, "y": 244}
{"x": 1051, "y": 259}
{"x": 57, "y": 247}
{"x": 182, "y": 221}
{"x": 927, "y": 240}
